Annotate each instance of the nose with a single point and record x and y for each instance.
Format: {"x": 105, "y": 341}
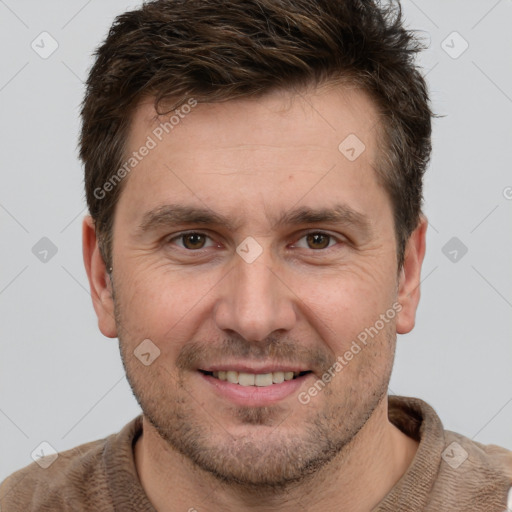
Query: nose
{"x": 255, "y": 301}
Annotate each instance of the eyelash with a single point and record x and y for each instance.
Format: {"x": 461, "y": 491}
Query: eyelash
{"x": 200, "y": 251}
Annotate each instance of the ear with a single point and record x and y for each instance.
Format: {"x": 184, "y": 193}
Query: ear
{"x": 410, "y": 275}
{"x": 99, "y": 280}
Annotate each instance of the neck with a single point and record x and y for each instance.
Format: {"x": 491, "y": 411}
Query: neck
{"x": 355, "y": 481}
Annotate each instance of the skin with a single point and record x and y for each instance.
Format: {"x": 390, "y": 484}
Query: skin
{"x": 302, "y": 302}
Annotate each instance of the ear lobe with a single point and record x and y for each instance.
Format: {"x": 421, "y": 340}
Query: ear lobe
{"x": 410, "y": 277}
{"x": 99, "y": 279}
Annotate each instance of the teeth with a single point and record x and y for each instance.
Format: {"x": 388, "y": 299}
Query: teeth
{"x": 277, "y": 377}
{"x": 263, "y": 379}
{"x": 246, "y": 379}
{"x": 250, "y": 379}
{"x": 232, "y": 377}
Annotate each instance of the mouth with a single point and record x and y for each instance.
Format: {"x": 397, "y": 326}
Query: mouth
{"x": 255, "y": 379}
{"x": 248, "y": 386}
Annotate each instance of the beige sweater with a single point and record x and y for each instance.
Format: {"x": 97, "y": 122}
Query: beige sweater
{"x": 443, "y": 477}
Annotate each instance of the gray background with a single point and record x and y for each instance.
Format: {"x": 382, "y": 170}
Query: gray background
{"x": 62, "y": 382}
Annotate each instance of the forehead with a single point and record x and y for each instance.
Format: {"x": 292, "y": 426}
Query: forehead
{"x": 253, "y": 154}
{"x": 320, "y": 117}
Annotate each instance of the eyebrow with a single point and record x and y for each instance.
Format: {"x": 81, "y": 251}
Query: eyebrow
{"x": 178, "y": 214}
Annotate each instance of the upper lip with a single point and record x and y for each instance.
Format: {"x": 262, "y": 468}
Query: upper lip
{"x": 252, "y": 368}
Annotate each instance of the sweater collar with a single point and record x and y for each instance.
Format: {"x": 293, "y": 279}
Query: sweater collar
{"x": 418, "y": 420}
{"x": 412, "y": 416}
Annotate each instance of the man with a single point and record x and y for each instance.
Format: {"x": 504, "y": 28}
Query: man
{"x": 253, "y": 173}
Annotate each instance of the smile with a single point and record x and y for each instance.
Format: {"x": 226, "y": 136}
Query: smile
{"x": 251, "y": 379}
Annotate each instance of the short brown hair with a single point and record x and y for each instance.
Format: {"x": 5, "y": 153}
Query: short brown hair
{"x": 216, "y": 50}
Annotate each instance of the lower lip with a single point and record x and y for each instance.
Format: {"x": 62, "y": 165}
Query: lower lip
{"x": 255, "y": 396}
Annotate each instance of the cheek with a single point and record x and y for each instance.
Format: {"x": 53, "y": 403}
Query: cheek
{"x": 161, "y": 304}
{"x": 345, "y": 302}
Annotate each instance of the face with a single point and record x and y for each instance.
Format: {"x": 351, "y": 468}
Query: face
{"x": 247, "y": 246}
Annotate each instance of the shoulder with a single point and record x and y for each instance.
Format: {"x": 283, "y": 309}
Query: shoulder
{"x": 78, "y": 479}
{"x": 56, "y": 485}
{"x": 477, "y": 457}
{"x": 449, "y": 471}
{"x": 478, "y": 474}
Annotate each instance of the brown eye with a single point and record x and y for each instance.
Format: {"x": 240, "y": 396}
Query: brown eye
{"x": 193, "y": 240}
{"x": 318, "y": 240}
